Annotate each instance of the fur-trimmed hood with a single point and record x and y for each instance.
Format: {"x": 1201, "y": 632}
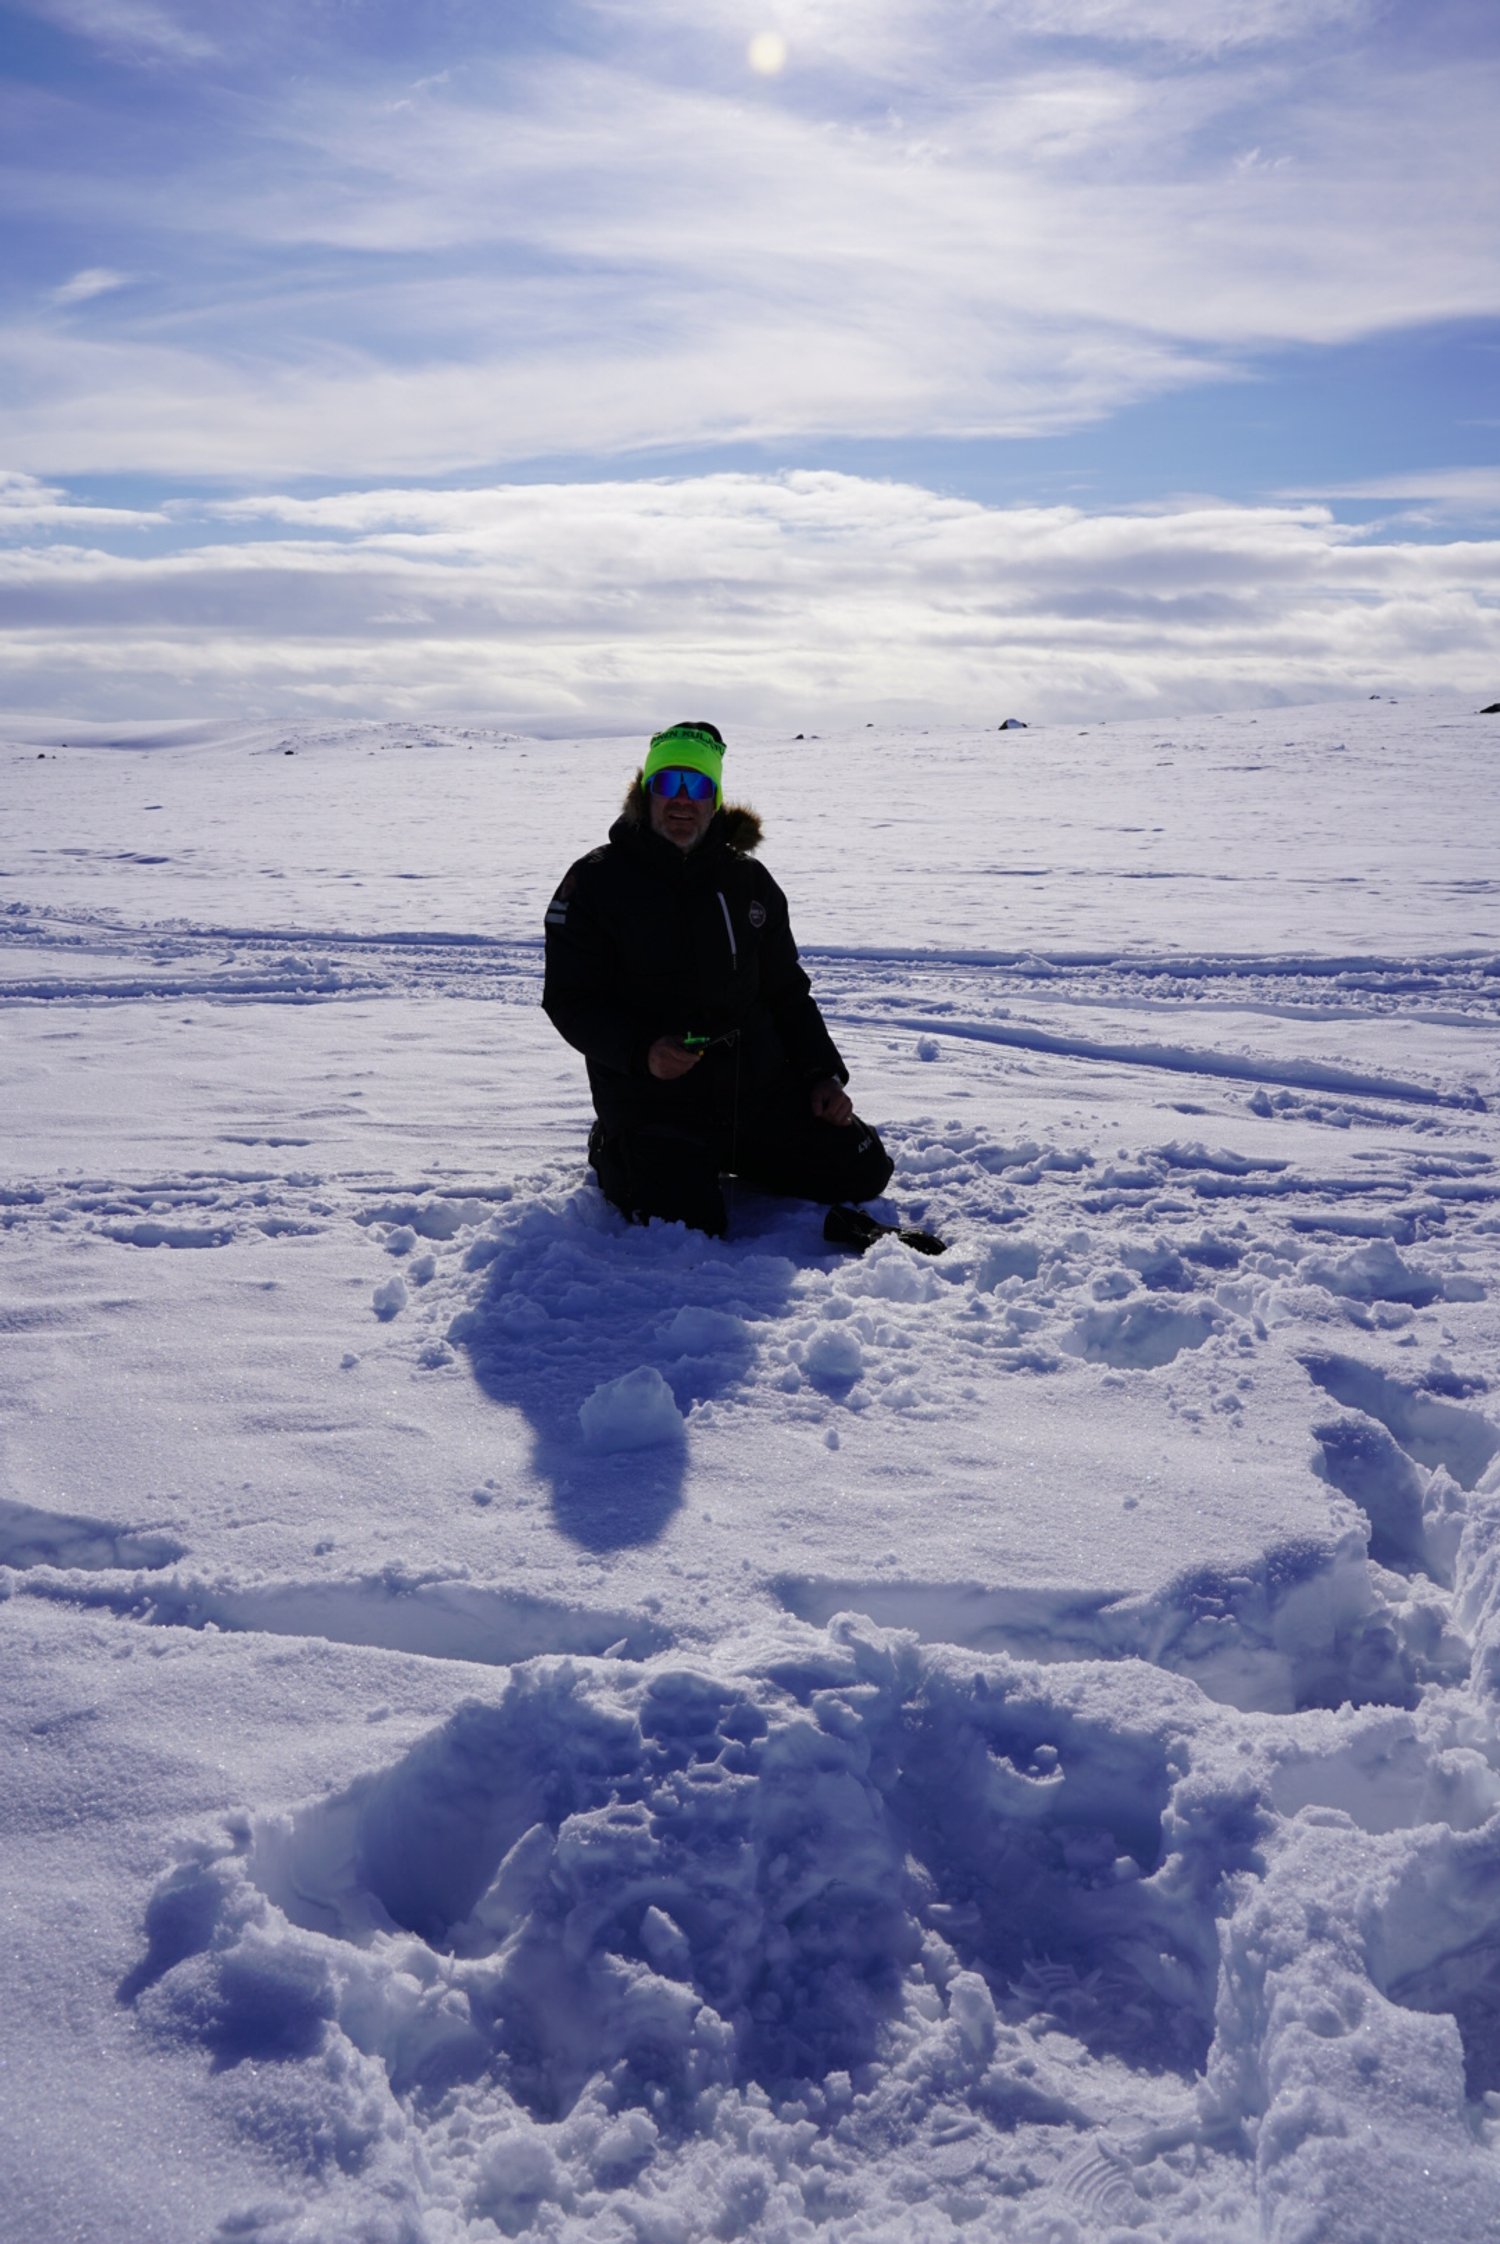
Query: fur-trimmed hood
{"x": 735, "y": 824}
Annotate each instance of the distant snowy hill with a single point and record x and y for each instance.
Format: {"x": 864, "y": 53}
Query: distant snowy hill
{"x": 516, "y": 1726}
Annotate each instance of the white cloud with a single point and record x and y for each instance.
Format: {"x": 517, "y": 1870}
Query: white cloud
{"x": 595, "y": 249}
{"x": 1469, "y": 490}
{"x": 94, "y": 280}
{"x": 714, "y": 373}
{"x": 583, "y": 261}
{"x": 1091, "y": 195}
{"x": 893, "y": 40}
{"x": 27, "y": 505}
{"x": 1194, "y": 26}
{"x": 815, "y": 596}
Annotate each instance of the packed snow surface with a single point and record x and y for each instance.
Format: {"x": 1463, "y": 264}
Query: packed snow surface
{"x": 521, "y": 1727}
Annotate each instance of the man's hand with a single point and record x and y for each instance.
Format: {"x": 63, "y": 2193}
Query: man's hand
{"x": 831, "y": 1102}
{"x": 669, "y": 1058}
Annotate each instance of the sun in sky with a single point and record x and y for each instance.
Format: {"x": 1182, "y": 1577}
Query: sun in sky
{"x": 767, "y": 53}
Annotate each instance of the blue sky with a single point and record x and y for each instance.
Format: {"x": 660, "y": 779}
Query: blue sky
{"x": 315, "y": 312}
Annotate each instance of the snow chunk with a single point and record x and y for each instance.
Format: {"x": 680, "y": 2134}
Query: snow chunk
{"x": 1376, "y": 1273}
{"x": 696, "y": 1331}
{"x": 389, "y": 1299}
{"x": 1007, "y": 1258}
{"x": 427, "y": 1219}
{"x": 834, "y": 1358}
{"x": 151, "y": 1233}
{"x": 1460, "y": 1287}
{"x": 1194, "y": 1154}
{"x": 635, "y": 1411}
{"x": 891, "y": 1272}
{"x": 1141, "y": 1336}
{"x": 519, "y": 2174}
{"x": 627, "y": 2143}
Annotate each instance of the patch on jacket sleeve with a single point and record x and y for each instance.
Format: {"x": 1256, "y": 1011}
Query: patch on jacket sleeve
{"x": 557, "y": 910}
{"x": 757, "y": 914}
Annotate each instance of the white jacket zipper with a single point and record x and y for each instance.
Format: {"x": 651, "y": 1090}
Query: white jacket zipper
{"x": 734, "y": 948}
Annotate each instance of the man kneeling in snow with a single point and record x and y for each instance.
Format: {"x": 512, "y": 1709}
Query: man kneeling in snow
{"x": 671, "y": 968}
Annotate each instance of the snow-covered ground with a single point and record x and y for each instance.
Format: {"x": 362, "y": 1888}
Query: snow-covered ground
{"x": 515, "y": 1726}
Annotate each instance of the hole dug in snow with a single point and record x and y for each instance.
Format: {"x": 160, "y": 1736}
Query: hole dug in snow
{"x": 1037, "y": 1842}
{"x": 871, "y": 1883}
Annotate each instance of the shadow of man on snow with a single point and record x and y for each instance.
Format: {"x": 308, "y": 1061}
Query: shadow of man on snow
{"x": 574, "y": 1300}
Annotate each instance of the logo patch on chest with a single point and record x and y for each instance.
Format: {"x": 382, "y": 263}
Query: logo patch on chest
{"x": 757, "y": 915}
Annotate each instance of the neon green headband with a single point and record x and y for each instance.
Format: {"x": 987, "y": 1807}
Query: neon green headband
{"x": 692, "y": 747}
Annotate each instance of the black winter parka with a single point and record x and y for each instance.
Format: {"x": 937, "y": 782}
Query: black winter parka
{"x": 646, "y": 940}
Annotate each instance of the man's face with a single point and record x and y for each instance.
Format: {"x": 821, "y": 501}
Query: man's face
{"x": 678, "y": 819}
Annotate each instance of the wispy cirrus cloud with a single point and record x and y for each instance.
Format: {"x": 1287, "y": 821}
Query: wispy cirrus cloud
{"x": 955, "y": 39}
{"x": 1207, "y": 27}
{"x": 1467, "y": 490}
{"x": 813, "y": 595}
{"x": 93, "y": 280}
{"x": 134, "y": 27}
{"x": 568, "y": 255}
{"x": 730, "y": 377}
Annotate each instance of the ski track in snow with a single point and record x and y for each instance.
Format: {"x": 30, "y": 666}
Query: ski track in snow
{"x": 920, "y": 1908}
